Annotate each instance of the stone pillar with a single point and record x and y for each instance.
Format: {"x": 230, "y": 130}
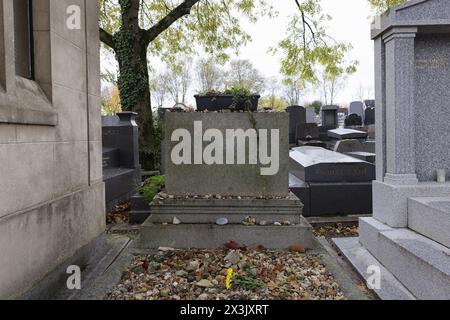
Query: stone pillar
{"x": 399, "y": 106}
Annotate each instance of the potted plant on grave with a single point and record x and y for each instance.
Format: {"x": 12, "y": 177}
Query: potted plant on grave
{"x": 234, "y": 99}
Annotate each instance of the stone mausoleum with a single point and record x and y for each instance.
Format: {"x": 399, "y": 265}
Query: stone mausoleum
{"x": 52, "y": 194}
{"x": 408, "y": 238}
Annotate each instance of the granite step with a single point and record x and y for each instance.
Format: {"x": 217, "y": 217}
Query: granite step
{"x": 204, "y": 211}
{"x": 210, "y": 236}
{"x": 430, "y": 216}
{"x": 419, "y": 263}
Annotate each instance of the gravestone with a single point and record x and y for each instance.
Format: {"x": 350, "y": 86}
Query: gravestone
{"x": 357, "y": 107}
{"x": 369, "y": 103}
{"x": 342, "y": 134}
{"x": 369, "y": 116}
{"x": 329, "y": 117}
{"x": 348, "y": 145}
{"x": 121, "y": 168}
{"x": 313, "y": 164}
{"x": 229, "y": 166}
{"x": 297, "y": 119}
{"x": 311, "y": 116}
{"x": 330, "y": 182}
{"x": 353, "y": 120}
{"x": 407, "y": 237}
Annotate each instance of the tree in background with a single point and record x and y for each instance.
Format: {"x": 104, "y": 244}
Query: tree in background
{"x": 111, "y": 101}
{"x": 317, "y": 105}
{"x": 382, "y": 5}
{"x": 293, "y": 89}
{"x": 134, "y": 29}
{"x": 307, "y": 49}
{"x": 242, "y": 74}
{"x": 209, "y": 75}
{"x": 274, "y": 103}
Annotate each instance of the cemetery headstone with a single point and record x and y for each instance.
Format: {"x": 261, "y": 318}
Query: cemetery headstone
{"x": 329, "y": 116}
{"x": 121, "y": 168}
{"x": 353, "y": 120}
{"x": 341, "y": 134}
{"x": 369, "y": 103}
{"x": 357, "y": 107}
{"x": 226, "y": 166}
{"x": 311, "y": 116}
{"x": 369, "y": 116}
{"x": 332, "y": 183}
{"x": 297, "y": 120}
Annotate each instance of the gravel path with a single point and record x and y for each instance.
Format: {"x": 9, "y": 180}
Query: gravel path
{"x": 201, "y": 275}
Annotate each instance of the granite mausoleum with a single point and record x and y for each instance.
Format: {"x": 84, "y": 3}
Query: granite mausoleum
{"x": 408, "y": 236}
{"x": 52, "y": 197}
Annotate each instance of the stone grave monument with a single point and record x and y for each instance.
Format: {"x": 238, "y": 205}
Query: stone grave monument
{"x": 357, "y": 107}
{"x": 297, "y": 121}
{"x": 329, "y": 116}
{"x": 353, "y": 121}
{"x": 331, "y": 183}
{"x": 226, "y": 179}
{"x": 408, "y": 238}
{"x": 311, "y": 116}
{"x": 121, "y": 168}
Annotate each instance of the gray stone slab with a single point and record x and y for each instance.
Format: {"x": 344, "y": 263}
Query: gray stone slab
{"x": 348, "y": 145}
{"x": 235, "y": 210}
{"x": 361, "y": 259}
{"x": 430, "y": 216}
{"x": 208, "y": 236}
{"x": 357, "y": 107}
{"x": 365, "y": 156}
{"x": 420, "y": 264}
{"x": 391, "y": 201}
{"x": 227, "y": 179}
{"x": 314, "y": 164}
{"x": 340, "y": 198}
{"x": 342, "y": 134}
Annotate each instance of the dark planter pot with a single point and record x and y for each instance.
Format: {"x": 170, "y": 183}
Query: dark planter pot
{"x": 221, "y": 102}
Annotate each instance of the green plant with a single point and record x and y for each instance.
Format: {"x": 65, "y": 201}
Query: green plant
{"x": 241, "y": 97}
{"x": 152, "y": 186}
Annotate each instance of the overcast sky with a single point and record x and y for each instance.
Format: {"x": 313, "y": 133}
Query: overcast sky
{"x": 350, "y": 23}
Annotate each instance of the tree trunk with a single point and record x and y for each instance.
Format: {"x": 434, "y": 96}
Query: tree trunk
{"x": 130, "y": 45}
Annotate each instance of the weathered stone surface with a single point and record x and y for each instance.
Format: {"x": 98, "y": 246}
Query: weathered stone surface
{"x": 357, "y": 107}
{"x": 235, "y": 179}
{"x": 430, "y": 216}
{"x": 329, "y": 116}
{"x": 210, "y": 236}
{"x": 390, "y": 288}
{"x": 342, "y": 134}
{"x": 313, "y": 164}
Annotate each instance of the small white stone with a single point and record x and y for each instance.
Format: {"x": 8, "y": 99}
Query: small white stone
{"x": 176, "y": 221}
{"x": 277, "y": 224}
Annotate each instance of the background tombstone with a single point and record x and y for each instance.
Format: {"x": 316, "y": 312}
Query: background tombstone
{"x": 357, "y": 107}
{"x": 329, "y": 116}
{"x": 297, "y": 120}
{"x": 369, "y": 116}
{"x": 121, "y": 168}
{"x": 369, "y": 103}
{"x": 353, "y": 120}
{"x": 311, "y": 116}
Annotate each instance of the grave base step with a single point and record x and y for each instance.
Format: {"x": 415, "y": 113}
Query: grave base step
{"x": 361, "y": 259}
{"x": 210, "y": 236}
{"x": 419, "y": 263}
{"x": 430, "y": 216}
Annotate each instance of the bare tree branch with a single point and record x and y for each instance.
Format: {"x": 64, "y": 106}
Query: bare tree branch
{"x": 106, "y": 38}
{"x": 183, "y": 9}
